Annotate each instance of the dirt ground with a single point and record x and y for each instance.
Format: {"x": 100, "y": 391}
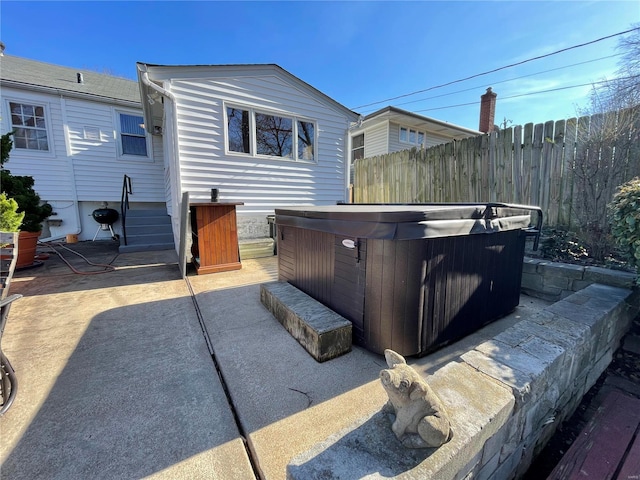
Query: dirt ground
{"x": 622, "y": 373}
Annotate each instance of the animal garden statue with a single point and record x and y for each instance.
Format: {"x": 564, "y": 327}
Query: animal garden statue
{"x": 421, "y": 420}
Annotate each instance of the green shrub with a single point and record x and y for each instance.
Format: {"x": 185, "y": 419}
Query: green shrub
{"x": 10, "y": 218}
{"x": 20, "y": 189}
{"x": 624, "y": 215}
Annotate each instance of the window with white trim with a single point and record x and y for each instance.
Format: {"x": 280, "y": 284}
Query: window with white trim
{"x": 133, "y": 139}
{"x": 29, "y": 126}
{"x": 267, "y": 134}
{"x": 357, "y": 147}
{"x": 412, "y": 136}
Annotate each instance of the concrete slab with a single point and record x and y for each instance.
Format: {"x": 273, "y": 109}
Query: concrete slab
{"x": 287, "y": 402}
{"x": 115, "y": 378}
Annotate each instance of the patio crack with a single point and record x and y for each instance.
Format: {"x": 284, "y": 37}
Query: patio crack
{"x": 225, "y": 388}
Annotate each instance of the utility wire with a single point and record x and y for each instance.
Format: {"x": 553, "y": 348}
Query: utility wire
{"x": 505, "y": 81}
{"x": 531, "y": 93}
{"x": 499, "y": 68}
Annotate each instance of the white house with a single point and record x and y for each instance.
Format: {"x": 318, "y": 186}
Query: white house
{"x": 77, "y": 133}
{"x": 257, "y": 133}
{"x": 392, "y": 129}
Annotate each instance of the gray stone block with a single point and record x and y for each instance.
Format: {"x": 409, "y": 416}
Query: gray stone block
{"x": 608, "y": 276}
{"x": 320, "y": 330}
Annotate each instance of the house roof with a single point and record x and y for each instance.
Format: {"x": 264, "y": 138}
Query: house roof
{"x": 164, "y": 72}
{"x": 45, "y": 77}
{"x": 397, "y": 115}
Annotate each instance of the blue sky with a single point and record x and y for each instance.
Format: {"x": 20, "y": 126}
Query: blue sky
{"x": 359, "y": 53}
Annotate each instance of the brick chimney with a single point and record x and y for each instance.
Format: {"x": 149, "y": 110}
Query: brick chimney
{"x": 487, "y": 111}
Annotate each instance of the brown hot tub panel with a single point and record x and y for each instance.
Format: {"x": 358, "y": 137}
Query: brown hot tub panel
{"x": 409, "y": 277}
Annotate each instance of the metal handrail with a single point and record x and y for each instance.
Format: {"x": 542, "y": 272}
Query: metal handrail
{"x": 124, "y": 204}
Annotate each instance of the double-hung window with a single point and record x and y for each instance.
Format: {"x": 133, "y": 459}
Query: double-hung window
{"x": 29, "y": 126}
{"x": 260, "y": 133}
{"x": 133, "y": 140}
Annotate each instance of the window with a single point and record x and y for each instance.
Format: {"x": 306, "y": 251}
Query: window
{"x": 274, "y": 135}
{"x": 357, "y": 147}
{"x": 409, "y": 135}
{"x": 258, "y": 133}
{"x": 238, "y": 130}
{"x": 306, "y": 136}
{"x": 29, "y": 126}
{"x": 132, "y": 135}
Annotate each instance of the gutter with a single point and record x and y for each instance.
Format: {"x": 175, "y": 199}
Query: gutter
{"x": 144, "y": 77}
{"x": 70, "y": 94}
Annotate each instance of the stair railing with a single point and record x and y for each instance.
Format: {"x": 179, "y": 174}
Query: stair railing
{"x": 124, "y": 204}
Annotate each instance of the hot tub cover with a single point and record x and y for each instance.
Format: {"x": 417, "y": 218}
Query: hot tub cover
{"x": 406, "y": 222}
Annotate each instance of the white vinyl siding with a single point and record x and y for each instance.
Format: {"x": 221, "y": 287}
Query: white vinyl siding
{"x": 98, "y": 165}
{"x": 49, "y": 169}
{"x": 376, "y": 141}
{"x": 262, "y": 183}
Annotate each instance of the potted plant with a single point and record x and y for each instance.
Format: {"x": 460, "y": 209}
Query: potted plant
{"x": 20, "y": 189}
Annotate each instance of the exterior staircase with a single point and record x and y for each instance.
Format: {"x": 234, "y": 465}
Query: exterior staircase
{"x": 147, "y": 230}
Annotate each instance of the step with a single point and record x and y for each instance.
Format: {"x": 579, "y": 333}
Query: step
{"x": 322, "y": 332}
{"x": 149, "y": 238}
{"x": 256, "y": 248}
{"x": 149, "y": 220}
{"x": 148, "y": 229}
{"x": 145, "y": 247}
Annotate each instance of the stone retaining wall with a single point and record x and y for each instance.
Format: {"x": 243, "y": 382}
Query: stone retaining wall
{"x": 548, "y": 362}
{"x": 505, "y": 397}
{"x": 554, "y": 281}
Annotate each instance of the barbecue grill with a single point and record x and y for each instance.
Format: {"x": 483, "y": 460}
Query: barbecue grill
{"x": 106, "y": 217}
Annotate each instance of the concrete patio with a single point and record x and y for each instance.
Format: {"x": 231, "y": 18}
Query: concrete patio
{"x": 138, "y": 373}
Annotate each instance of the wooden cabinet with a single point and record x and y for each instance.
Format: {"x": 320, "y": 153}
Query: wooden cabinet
{"x": 215, "y": 237}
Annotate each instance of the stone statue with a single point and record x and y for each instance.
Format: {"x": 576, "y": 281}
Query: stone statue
{"x": 421, "y": 419}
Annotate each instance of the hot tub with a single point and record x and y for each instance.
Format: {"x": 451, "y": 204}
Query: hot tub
{"x": 409, "y": 277}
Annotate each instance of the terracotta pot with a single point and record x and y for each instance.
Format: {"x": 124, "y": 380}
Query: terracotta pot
{"x": 27, "y": 245}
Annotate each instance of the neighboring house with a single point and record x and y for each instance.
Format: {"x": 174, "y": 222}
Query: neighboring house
{"x": 77, "y": 133}
{"x": 257, "y": 133}
{"x": 392, "y": 129}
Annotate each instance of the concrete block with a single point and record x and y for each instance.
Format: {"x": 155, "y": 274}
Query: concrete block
{"x": 557, "y": 281}
{"x": 566, "y": 270}
{"x": 616, "y": 278}
{"x": 530, "y": 265}
{"x": 320, "y": 330}
{"x": 518, "y": 381}
{"x": 488, "y": 468}
{"x": 531, "y": 281}
{"x": 557, "y": 269}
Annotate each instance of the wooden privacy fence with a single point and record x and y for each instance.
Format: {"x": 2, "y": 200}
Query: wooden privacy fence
{"x": 569, "y": 168}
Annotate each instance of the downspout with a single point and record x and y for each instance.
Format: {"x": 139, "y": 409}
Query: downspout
{"x": 175, "y": 198}
{"x": 150, "y": 84}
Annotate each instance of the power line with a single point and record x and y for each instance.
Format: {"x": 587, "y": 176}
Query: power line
{"x": 505, "y": 81}
{"x": 531, "y": 93}
{"x": 499, "y": 68}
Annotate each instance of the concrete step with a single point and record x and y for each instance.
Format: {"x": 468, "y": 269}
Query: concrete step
{"x": 148, "y": 230}
{"x": 151, "y": 229}
{"x": 321, "y": 331}
{"x": 145, "y": 247}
